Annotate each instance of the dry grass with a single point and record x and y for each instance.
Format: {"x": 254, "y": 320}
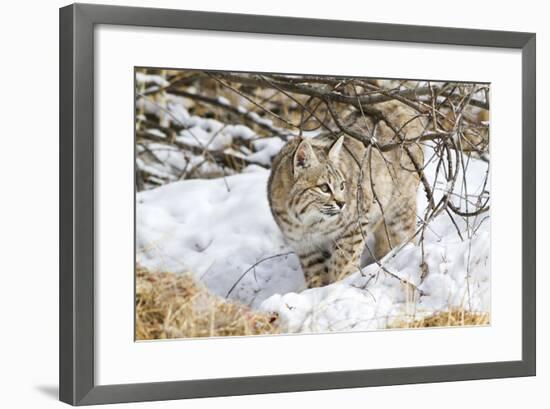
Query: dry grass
{"x": 451, "y": 318}
{"x": 172, "y": 306}
{"x": 176, "y": 306}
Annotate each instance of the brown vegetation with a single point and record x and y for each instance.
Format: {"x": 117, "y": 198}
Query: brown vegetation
{"x": 176, "y": 306}
{"x": 452, "y": 318}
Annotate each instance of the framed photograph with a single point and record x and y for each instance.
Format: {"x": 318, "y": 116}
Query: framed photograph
{"x": 254, "y": 204}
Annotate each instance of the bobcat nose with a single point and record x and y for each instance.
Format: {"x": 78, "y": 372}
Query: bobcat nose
{"x": 340, "y": 204}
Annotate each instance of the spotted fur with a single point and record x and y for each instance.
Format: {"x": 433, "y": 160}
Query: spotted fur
{"x": 329, "y": 193}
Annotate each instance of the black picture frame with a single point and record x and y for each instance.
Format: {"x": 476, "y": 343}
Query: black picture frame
{"x": 76, "y": 274}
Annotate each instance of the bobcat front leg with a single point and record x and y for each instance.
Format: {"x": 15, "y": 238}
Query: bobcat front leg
{"x": 346, "y": 255}
{"x": 315, "y": 265}
{"x": 339, "y": 259}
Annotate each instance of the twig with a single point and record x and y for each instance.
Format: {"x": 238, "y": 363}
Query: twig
{"x": 252, "y": 267}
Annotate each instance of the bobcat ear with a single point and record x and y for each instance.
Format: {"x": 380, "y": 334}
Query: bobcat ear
{"x": 335, "y": 149}
{"x": 305, "y": 156}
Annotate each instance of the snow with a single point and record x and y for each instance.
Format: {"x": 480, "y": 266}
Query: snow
{"x": 221, "y": 230}
{"x": 217, "y": 229}
{"x": 223, "y": 101}
{"x": 212, "y": 134}
{"x": 156, "y": 132}
{"x": 266, "y": 149}
{"x": 168, "y": 162}
{"x": 372, "y": 299}
{"x": 142, "y": 78}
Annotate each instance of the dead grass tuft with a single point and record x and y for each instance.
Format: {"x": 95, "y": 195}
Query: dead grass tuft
{"x": 451, "y": 318}
{"x": 176, "y": 306}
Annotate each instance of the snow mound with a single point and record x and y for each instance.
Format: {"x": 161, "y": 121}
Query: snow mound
{"x": 217, "y": 229}
{"x": 458, "y": 277}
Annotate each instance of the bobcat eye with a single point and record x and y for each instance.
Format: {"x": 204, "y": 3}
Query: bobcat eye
{"x": 342, "y": 185}
{"x": 324, "y": 188}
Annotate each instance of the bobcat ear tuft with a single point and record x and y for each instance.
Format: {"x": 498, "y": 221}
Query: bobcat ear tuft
{"x": 305, "y": 156}
{"x": 336, "y": 148}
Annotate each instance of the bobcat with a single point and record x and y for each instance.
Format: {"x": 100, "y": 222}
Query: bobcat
{"x": 329, "y": 193}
